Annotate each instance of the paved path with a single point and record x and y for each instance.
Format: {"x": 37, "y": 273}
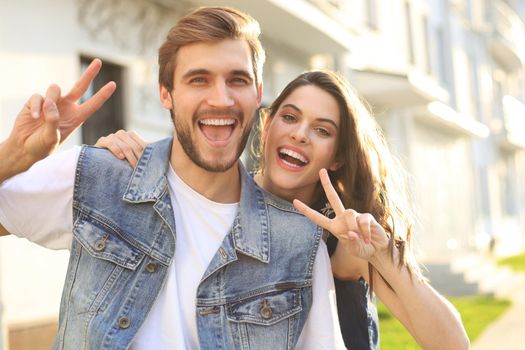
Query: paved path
{"x": 507, "y": 332}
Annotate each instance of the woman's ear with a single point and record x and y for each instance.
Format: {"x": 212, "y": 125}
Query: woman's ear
{"x": 336, "y": 164}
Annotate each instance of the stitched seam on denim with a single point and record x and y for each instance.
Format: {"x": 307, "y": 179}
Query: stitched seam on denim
{"x": 173, "y": 230}
{"x": 92, "y": 214}
{"x": 110, "y": 282}
{"x": 147, "y": 311}
{"x": 271, "y": 322}
{"x": 138, "y": 172}
{"x": 74, "y": 258}
{"x": 137, "y": 257}
{"x": 124, "y": 311}
{"x": 313, "y": 253}
{"x": 76, "y": 187}
{"x": 254, "y": 293}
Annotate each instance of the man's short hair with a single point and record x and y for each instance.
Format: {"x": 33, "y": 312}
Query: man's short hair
{"x": 206, "y": 25}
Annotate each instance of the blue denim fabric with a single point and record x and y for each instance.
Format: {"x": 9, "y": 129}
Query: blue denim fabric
{"x": 255, "y": 294}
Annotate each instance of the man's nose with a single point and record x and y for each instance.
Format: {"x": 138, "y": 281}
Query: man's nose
{"x": 220, "y": 95}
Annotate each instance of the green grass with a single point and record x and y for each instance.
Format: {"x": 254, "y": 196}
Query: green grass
{"x": 477, "y": 312}
{"x": 516, "y": 262}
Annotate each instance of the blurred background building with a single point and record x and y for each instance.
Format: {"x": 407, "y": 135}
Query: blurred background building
{"x": 445, "y": 79}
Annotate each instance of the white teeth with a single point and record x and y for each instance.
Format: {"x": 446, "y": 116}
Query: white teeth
{"x": 217, "y": 121}
{"x": 290, "y": 164}
{"x": 293, "y": 154}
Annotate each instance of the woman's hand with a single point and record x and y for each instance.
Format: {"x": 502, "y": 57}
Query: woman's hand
{"x": 124, "y": 145}
{"x": 359, "y": 234}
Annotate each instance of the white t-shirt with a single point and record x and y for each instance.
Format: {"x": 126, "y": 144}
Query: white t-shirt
{"x": 37, "y": 205}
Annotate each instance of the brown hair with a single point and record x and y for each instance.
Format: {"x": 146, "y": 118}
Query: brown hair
{"x": 370, "y": 179}
{"x": 209, "y": 24}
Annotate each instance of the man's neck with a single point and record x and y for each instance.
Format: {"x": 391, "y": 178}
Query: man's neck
{"x": 220, "y": 187}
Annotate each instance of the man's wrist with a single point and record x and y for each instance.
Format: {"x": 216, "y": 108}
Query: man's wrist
{"x": 12, "y": 160}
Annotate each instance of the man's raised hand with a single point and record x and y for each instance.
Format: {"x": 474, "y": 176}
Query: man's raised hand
{"x": 46, "y": 122}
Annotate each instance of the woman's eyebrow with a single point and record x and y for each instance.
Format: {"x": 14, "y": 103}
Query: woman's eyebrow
{"x": 292, "y": 106}
{"x": 326, "y": 120}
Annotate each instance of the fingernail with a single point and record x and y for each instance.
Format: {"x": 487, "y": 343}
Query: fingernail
{"x": 35, "y": 115}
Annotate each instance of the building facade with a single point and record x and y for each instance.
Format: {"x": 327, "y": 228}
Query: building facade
{"x": 444, "y": 78}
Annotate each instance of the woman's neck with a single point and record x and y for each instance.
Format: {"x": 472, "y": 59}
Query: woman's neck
{"x": 304, "y": 195}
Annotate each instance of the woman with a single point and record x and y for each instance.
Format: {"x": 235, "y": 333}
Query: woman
{"x": 318, "y": 123}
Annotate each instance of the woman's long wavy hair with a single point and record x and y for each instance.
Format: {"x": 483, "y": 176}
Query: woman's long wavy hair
{"x": 370, "y": 179}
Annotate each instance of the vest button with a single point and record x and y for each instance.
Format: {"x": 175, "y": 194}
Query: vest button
{"x": 151, "y": 267}
{"x": 266, "y": 311}
{"x": 100, "y": 245}
{"x": 124, "y": 322}
{"x": 223, "y": 254}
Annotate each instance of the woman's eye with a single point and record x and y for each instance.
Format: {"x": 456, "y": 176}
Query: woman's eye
{"x": 322, "y": 131}
{"x": 288, "y": 117}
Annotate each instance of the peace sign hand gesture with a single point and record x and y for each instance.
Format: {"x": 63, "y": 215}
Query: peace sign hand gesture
{"x": 45, "y": 122}
{"x": 360, "y": 234}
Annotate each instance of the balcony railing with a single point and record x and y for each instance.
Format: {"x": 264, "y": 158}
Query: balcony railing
{"x": 509, "y": 32}
{"x": 513, "y": 121}
{"x": 335, "y": 9}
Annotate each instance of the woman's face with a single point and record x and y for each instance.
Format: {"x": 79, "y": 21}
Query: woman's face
{"x": 300, "y": 139}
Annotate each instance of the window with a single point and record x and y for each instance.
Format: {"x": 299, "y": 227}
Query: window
{"x": 371, "y": 13}
{"x": 428, "y": 52}
{"x": 410, "y": 38}
{"x": 507, "y": 182}
{"x": 475, "y": 100}
{"x": 442, "y": 54}
{"x": 110, "y": 117}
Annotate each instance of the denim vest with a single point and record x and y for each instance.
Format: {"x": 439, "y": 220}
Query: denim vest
{"x": 256, "y": 292}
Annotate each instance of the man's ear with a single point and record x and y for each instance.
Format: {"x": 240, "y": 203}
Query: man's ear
{"x": 165, "y": 98}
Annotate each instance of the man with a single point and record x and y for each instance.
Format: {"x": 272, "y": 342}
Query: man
{"x": 184, "y": 251}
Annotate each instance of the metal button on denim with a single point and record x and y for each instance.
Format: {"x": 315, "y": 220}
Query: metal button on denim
{"x": 151, "y": 267}
{"x": 222, "y": 252}
{"x": 266, "y": 311}
{"x": 124, "y": 322}
{"x": 100, "y": 245}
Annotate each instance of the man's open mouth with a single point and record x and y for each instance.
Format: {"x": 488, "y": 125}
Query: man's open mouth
{"x": 217, "y": 129}
{"x": 292, "y": 158}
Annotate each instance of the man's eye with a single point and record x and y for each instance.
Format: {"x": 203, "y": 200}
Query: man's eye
{"x": 198, "y": 80}
{"x": 240, "y": 81}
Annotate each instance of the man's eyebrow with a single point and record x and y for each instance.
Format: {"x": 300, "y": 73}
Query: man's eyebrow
{"x": 326, "y": 120}
{"x": 202, "y": 71}
{"x": 243, "y": 73}
{"x": 193, "y": 72}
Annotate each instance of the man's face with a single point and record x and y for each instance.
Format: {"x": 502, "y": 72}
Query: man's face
{"x": 213, "y": 102}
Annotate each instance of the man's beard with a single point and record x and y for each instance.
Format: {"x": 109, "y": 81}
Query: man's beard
{"x": 184, "y": 135}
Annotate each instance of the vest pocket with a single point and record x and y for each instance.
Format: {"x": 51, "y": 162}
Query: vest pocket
{"x": 266, "y": 309}
{"x": 104, "y": 243}
{"x": 269, "y": 320}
